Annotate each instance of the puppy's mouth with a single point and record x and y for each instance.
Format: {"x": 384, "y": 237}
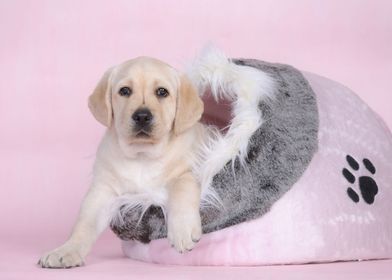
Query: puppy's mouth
{"x": 142, "y": 134}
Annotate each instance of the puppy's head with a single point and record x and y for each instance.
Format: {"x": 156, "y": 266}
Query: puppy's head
{"x": 145, "y": 100}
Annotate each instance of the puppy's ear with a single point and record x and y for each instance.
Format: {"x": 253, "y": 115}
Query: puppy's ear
{"x": 189, "y": 106}
{"x": 99, "y": 101}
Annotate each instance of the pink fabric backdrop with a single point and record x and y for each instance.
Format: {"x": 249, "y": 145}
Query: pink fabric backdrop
{"x": 53, "y": 53}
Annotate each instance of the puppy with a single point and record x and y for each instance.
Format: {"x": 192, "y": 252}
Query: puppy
{"x": 151, "y": 113}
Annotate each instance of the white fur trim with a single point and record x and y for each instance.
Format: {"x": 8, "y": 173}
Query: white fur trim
{"x": 128, "y": 203}
{"x": 246, "y": 87}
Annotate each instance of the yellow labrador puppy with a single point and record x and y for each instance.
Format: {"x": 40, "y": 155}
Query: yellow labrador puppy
{"x": 151, "y": 113}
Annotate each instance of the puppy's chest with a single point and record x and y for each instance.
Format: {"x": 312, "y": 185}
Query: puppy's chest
{"x": 141, "y": 177}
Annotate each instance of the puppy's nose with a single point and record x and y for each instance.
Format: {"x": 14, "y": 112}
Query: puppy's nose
{"x": 142, "y": 117}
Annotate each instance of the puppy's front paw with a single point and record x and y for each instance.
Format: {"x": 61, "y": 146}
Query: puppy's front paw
{"x": 66, "y": 256}
{"x": 184, "y": 231}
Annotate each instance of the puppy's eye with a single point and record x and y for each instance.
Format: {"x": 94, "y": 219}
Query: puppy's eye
{"x": 125, "y": 91}
{"x": 162, "y": 92}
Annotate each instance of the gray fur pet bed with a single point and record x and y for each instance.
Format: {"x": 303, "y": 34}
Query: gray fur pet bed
{"x": 298, "y": 171}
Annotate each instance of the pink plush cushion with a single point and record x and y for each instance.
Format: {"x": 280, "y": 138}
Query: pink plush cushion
{"x": 316, "y": 221}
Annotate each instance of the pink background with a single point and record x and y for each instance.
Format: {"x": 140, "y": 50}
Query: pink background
{"x": 53, "y": 53}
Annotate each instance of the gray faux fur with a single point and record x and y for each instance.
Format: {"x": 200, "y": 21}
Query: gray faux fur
{"x": 279, "y": 152}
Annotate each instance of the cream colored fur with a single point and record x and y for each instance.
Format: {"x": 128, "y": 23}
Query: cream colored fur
{"x": 140, "y": 171}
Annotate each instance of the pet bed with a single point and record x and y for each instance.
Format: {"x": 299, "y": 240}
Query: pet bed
{"x": 299, "y": 172}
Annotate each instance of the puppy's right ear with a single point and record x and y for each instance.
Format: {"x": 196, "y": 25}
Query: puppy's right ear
{"x": 99, "y": 101}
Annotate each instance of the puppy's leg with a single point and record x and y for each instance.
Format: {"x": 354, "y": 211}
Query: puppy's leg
{"x": 93, "y": 219}
{"x": 184, "y": 224}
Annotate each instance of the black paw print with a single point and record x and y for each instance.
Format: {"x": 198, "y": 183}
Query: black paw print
{"x": 367, "y": 185}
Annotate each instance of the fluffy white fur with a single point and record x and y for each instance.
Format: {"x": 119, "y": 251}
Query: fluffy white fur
{"x": 246, "y": 87}
{"x": 135, "y": 202}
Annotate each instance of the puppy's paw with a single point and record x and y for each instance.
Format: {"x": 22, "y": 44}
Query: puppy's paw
{"x": 184, "y": 231}
{"x": 66, "y": 256}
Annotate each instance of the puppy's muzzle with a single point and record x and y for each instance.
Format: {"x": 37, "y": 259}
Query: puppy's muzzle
{"x": 142, "y": 119}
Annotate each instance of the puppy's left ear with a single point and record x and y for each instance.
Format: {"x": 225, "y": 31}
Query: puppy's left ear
{"x": 99, "y": 101}
{"x": 189, "y": 107}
